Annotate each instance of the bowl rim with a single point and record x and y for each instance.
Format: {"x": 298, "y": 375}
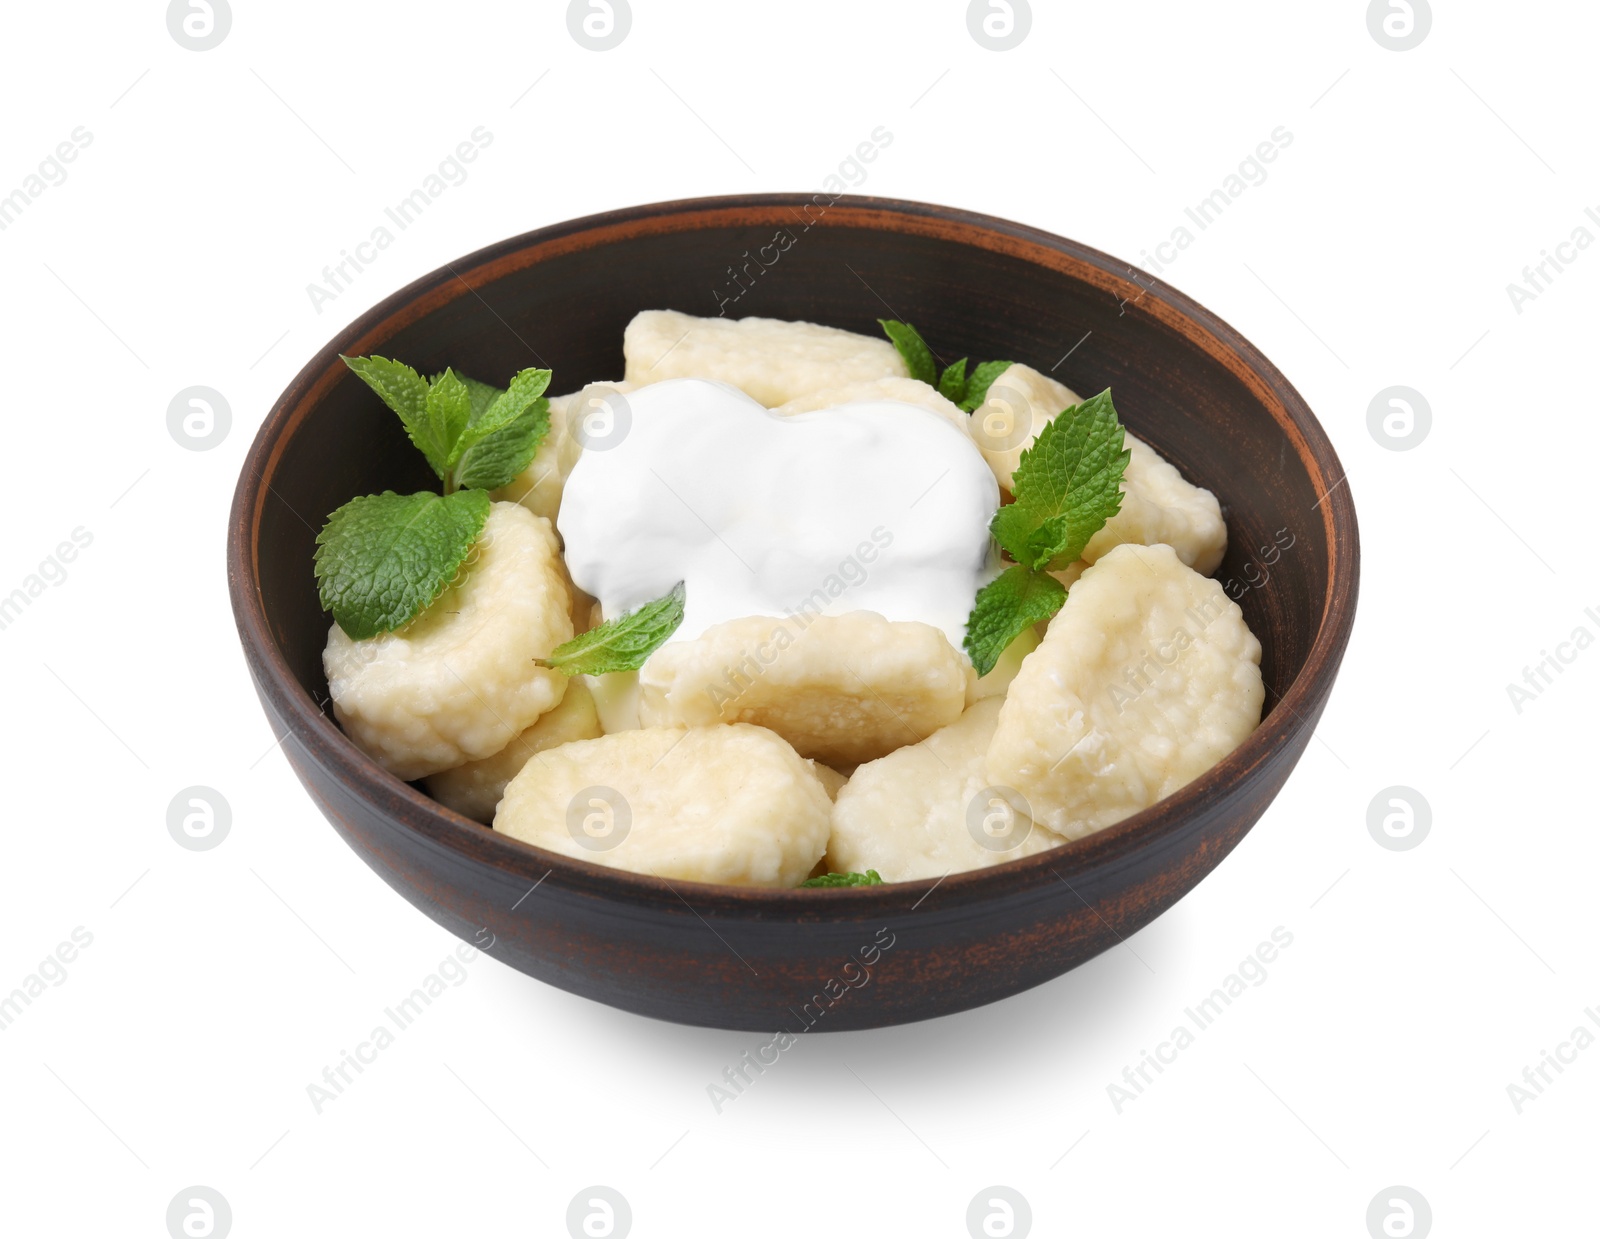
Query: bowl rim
{"x": 1111, "y": 848}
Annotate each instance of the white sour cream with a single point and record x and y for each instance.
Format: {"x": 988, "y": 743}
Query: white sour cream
{"x": 878, "y": 506}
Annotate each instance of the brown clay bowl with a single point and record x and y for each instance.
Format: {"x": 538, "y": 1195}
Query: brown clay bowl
{"x": 974, "y": 285}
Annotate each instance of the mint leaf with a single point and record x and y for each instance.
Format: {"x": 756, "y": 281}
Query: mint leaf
{"x": 504, "y": 430}
{"x": 481, "y": 394}
{"x": 912, "y": 350}
{"x": 1016, "y": 599}
{"x": 953, "y": 382}
{"x": 869, "y": 878}
{"x": 968, "y": 390}
{"x": 978, "y": 382}
{"x": 498, "y": 458}
{"x": 1067, "y": 486}
{"x": 525, "y": 388}
{"x": 621, "y": 644}
{"x": 382, "y": 559}
{"x": 406, "y": 392}
{"x": 449, "y": 409}
{"x": 503, "y": 436}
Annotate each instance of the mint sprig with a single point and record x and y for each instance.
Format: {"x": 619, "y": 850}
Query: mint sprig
{"x": 965, "y": 390}
{"x": 501, "y": 443}
{"x": 472, "y": 434}
{"x": 1067, "y": 485}
{"x": 826, "y": 880}
{"x": 979, "y": 381}
{"x": 621, "y": 644}
{"x": 382, "y": 559}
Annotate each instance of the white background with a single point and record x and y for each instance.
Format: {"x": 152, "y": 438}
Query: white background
{"x": 219, "y": 984}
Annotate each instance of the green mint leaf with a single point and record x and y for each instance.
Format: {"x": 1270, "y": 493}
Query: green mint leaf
{"x": 912, "y": 350}
{"x": 504, "y": 430}
{"x": 1016, "y": 599}
{"x": 482, "y": 395}
{"x": 449, "y": 411}
{"x": 497, "y": 458}
{"x": 983, "y": 374}
{"x": 406, "y": 392}
{"x": 869, "y": 878}
{"x": 525, "y": 388}
{"x": 382, "y": 559}
{"x": 1067, "y": 486}
{"x": 621, "y": 644}
{"x": 953, "y": 382}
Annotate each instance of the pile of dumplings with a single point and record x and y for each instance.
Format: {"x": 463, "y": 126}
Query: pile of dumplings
{"x": 865, "y": 743}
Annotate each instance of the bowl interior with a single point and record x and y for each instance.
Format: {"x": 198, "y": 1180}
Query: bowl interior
{"x": 1182, "y": 380}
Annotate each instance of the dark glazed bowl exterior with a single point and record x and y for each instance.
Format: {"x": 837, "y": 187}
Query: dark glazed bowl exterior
{"x": 974, "y": 285}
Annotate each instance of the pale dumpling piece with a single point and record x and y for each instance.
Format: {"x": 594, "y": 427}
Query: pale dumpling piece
{"x": 1019, "y": 404}
{"x": 459, "y": 682}
{"x": 1146, "y": 679}
{"x": 902, "y": 391}
{"x": 928, "y": 809}
{"x": 843, "y": 688}
{"x": 473, "y": 790}
{"x": 538, "y": 487}
{"x": 769, "y": 359}
{"x": 711, "y": 804}
{"x": 616, "y": 699}
{"x": 1158, "y": 506}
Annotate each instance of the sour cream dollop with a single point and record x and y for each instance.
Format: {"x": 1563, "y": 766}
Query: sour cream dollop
{"x": 877, "y": 506}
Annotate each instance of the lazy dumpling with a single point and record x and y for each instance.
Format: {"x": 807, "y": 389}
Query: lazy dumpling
{"x": 928, "y": 809}
{"x": 1158, "y": 505}
{"x": 1146, "y": 678}
{"x": 843, "y": 688}
{"x": 459, "y": 682}
{"x": 710, "y": 804}
{"x": 769, "y": 359}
